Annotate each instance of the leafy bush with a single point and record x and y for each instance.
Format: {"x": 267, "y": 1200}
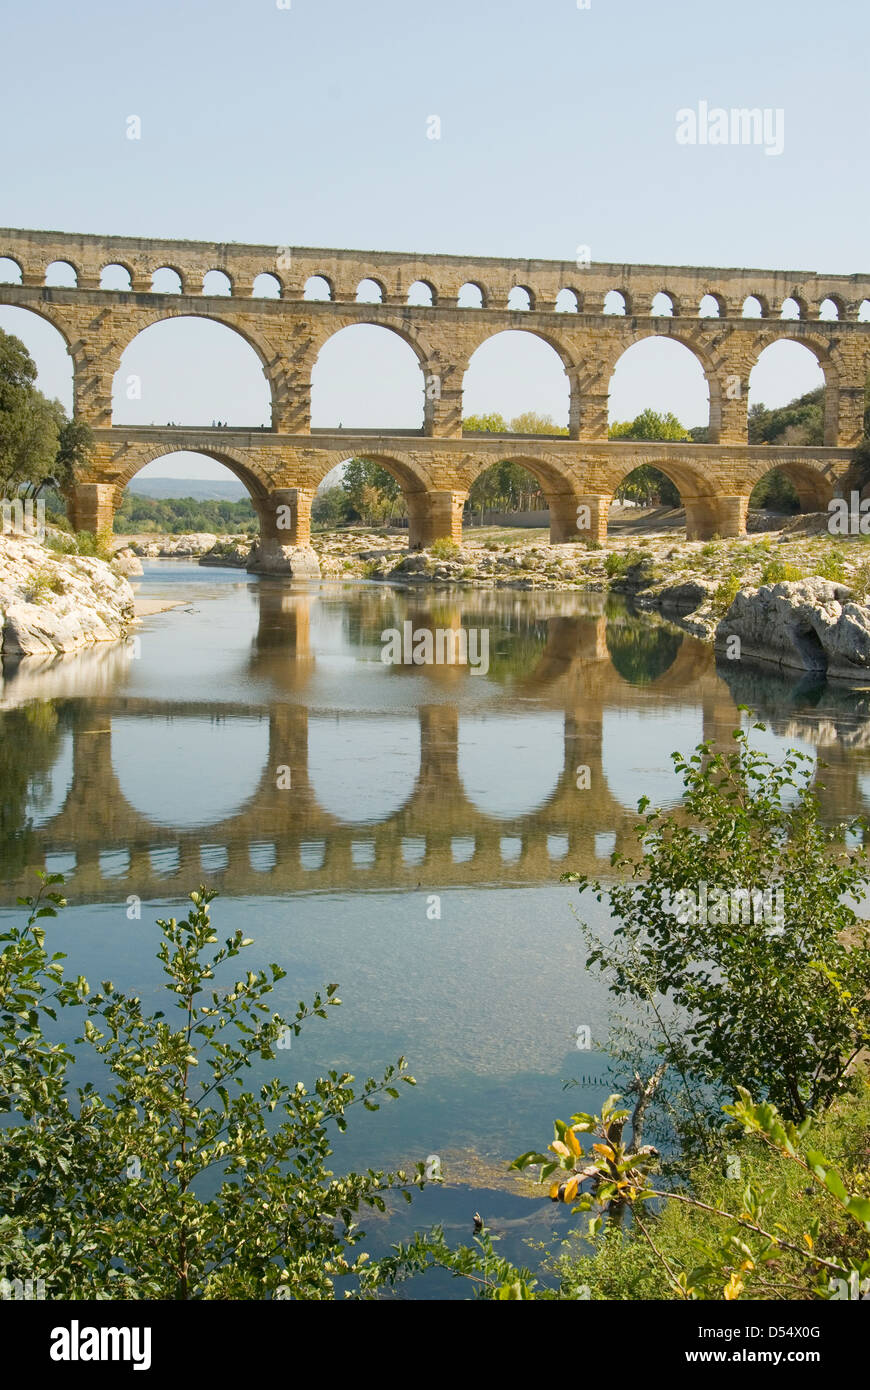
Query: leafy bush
{"x": 832, "y": 566}
{"x": 105, "y": 1194}
{"x": 781, "y": 1005}
{"x": 99, "y": 547}
{"x": 444, "y": 549}
{"x": 726, "y": 592}
{"x": 43, "y": 584}
{"x": 775, "y": 571}
{"x": 748, "y": 1231}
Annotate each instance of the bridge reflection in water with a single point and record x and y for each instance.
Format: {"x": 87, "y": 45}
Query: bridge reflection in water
{"x": 410, "y": 778}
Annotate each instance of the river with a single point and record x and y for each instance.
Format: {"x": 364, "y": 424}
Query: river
{"x": 399, "y": 829}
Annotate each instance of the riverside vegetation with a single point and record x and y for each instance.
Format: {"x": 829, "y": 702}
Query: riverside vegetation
{"x": 175, "y": 1180}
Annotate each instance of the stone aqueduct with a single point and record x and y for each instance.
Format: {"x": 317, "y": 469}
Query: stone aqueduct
{"x": 282, "y": 466}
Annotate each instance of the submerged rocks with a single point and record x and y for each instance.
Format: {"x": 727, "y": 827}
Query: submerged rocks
{"x": 52, "y": 602}
{"x": 810, "y": 625}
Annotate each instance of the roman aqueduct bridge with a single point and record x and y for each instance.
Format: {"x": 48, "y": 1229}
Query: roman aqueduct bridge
{"x": 282, "y": 466}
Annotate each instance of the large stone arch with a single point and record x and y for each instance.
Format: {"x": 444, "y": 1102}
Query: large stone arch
{"x": 690, "y": 337}
{"x": 257, "y": 483}
{"x": 433, "y": 510}
{"x": 479, "y": 336}
{"x": 814, "y": 482}
{"x": 265, "y": 352}
{"x": 74, "y": 347}
{"x": 708, "y": 513}
{"x": 843, "y": 366}
{"x": 327, "y": 328}
{"x": 558, "y": 483}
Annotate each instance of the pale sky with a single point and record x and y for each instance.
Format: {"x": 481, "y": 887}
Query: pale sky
{"x": 308, "y": 126}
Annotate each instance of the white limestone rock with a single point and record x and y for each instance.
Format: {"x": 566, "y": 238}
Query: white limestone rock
{"x": 808, "y": 625}
{"x": 53, "y": 603}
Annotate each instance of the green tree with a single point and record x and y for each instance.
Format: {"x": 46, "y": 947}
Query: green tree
{"x": 485, "y": 424}
{"x": 373, "y": 492}
{"x": 331, "y": 508}
{"x": 39, "y": 446}
{"x": 775, "y": 998}
{"x": 646, "y": 484}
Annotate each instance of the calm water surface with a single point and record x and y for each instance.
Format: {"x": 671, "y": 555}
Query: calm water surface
{"x": 148, "y": 768}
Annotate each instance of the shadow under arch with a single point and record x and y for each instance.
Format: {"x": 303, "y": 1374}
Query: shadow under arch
{"x": 560, "y": 489}
{"x": 696, "y": 489}
{"x": 813, "y": 486}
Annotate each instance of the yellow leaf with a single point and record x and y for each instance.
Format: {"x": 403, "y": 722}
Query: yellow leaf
{"x": 573, "y": 1143}
{"x": 604, "y": 1149}
{"x": 559, "y": 1148}
{"x": 734, "y": 1288}
{"x": 569, "y": 1191}
{"x": 809, "y": 1240}
{"x": 554, "y": 1192}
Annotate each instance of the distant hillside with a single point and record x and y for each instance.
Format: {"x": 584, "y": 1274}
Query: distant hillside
{"x": 201, "y": 489}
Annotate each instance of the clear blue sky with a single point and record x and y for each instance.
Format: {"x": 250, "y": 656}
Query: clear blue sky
{"x": 307, "y": 126}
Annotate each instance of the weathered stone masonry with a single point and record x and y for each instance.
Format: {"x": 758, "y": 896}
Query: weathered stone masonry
{"x": 436, "y": 466}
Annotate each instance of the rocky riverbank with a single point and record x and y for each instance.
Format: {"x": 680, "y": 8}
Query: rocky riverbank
{"x": 52, "y": 602}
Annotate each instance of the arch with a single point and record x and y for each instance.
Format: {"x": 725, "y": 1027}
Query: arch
{"x": 158, "y": 766}
{"x": 636, "y": 747}
{"x": 812, "y": 487}
{"x": 471, "y": 296}
{"x": 832, "y": 308}
{"x": 616, "y": 302}
{"x": 712, "y": 306}
{"x": 256, "y": 487}
{"x": 10, "y": 271}
{"x": 663, "y": 305}
{"x": 864, "y": 311}
{"x": 567, "y": 302}
{"x": 363, "y": 771}
{"x": 793, "y": 307}
{"x": 645, "y": 485}
{"x": 411, "y": 478}
{"x": 161, "y": 379}
{"x": 116, "y": 276}
{"x": 61, "y": 275}
{"x": 162, "y": 281}
{"x": 511, "y": 485}
{"x": 49, "y": 347}
{"x": 665, "y": 374}
{"x": 518, "y": 370}
{"x": 216, "y": 282}
{"x": 267, "y": 286}
{"x": 370, "y": 291}
{"x": 318, "y": 288}
{"x": 784, "y": 371}
{"x": 510, "y": 765}
{"x": 559, "y": 489}
{"x": 422, "y": 294}
{"x": 755, "y": 307}
{"x": 368, "y": 376}
{"x": 521, "y": 298}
